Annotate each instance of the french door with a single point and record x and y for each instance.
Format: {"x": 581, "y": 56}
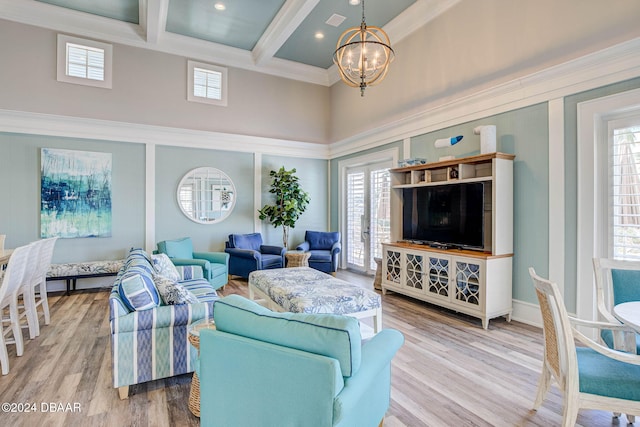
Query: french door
{"x": 368, "y": 216}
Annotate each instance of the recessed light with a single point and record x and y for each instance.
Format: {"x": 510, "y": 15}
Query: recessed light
{"x": 220, "y": 6}
{"x": 354, "y": 2}
{"x": 319, "y": 35}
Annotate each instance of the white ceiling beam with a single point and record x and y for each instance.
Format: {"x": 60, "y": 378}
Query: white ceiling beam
{"x": 155, "y": 18}
{"x": 288, "y": 18}
{"x": 70, "y": 21}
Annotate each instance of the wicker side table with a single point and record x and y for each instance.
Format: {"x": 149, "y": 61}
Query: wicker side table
{"x": 194, "y": 339}
{"x": 297, "y": 258}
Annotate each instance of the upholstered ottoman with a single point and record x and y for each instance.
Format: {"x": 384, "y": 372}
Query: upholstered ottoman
{"x": 306, "y": 290}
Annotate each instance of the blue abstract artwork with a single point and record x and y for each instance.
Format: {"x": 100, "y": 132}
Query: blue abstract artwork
{"x": 75, "y": 193}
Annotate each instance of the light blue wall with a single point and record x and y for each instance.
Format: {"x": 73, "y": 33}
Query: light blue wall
{"x": 314, "y": 179}
{"x": 523, "y": 132}
{"x": 20, "y": 201}
{"x": 172, "y": 163}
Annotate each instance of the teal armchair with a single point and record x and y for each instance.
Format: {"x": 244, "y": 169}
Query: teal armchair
{"x": 292, "y": 369}
{"x": 215, "y": 265}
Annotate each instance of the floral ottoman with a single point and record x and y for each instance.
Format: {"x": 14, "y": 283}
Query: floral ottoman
{"x": 305, "y": 290}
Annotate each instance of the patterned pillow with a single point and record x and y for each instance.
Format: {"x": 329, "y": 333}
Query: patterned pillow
{"x": 138, "y": 292}
{"x": 172, "y": 292}
{"x": 165, "y": 267}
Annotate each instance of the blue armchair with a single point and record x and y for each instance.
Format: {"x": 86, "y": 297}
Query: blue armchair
{"x": 324, "y": 247}
{"x": 247, "y": 254}
{"x": 215, "y": 265}
{"x": 292, "y": 369}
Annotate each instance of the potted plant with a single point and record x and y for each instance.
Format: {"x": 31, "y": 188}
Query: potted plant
{"x": 290, "y": 201}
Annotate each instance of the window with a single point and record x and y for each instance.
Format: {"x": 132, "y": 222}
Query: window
{"x": 207, "y": 84}
{"x": 84, "y": 62}
{"x": 624, "y": 189}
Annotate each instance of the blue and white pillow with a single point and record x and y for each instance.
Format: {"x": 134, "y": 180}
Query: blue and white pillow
{"x": 172, "y": 292}
{"x": 138, "y": 292}
{"x": 164, "y": 267}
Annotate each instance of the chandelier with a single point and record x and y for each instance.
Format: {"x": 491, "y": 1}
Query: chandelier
{"x": 363, "y": 55}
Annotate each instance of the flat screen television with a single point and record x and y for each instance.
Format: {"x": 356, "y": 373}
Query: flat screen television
{"x": 449, "y": 215}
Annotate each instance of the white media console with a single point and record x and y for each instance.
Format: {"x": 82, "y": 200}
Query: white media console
{"x": 474, "y": 282}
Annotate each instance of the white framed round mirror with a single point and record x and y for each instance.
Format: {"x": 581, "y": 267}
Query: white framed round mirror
{"x": 206, "y": 195}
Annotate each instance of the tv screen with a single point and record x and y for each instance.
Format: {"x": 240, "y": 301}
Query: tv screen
{"x": 448, "y": 215}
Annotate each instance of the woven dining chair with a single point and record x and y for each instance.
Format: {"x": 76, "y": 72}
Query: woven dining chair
{"x": 591, "y": 375}
{"x": 11, "y": 281}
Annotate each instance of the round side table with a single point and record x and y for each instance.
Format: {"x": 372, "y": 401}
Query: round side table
{"x": 194, "y": 339}
{"x": 297, "y": 258}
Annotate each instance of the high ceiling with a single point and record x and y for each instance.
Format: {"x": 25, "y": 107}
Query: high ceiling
{"x": 289, "y": 38}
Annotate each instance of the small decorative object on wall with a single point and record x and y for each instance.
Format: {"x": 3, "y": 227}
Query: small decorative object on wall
{"x": 487, "y": 138}
{"x": 447, "y": 142}
{"x": 290, "y": 202}
{"x": 75, "y": 188}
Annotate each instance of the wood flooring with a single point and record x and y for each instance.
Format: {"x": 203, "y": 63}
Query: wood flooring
{"x": 450, "y": 372}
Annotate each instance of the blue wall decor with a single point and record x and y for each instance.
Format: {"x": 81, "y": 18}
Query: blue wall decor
{"x": 75, "y": 193}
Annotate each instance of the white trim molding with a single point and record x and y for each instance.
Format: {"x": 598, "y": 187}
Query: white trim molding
{"x": 556, "y": 192}
{"x": 612, "y": 65}
{"x": 76, "y": 127}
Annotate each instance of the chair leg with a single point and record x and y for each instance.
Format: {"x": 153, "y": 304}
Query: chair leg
{"x": 29, "y": 301}
{"x": 123, "y": 392}
{"x": 381, "y": 422}
{"x": 569, "y": 412}
{"x": 4, "y": 355}
{"x": 15, "y": 325}
{"x": 543, "y": 387}
{"x": 631, "y": 419}
{"x": 44, "y": 301}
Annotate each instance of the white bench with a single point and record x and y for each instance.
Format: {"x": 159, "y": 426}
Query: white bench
{"x": 305, "y": 290}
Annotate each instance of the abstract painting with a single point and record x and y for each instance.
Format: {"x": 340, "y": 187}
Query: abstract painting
{"x": 75, "y": 194}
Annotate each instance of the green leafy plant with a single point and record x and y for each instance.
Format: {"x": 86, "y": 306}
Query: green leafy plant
{"x": 290, "y": 202}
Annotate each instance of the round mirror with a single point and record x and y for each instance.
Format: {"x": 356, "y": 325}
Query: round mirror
{"x": 206, "y": 195}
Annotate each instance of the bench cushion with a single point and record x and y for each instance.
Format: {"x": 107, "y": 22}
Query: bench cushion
{"x": 329, "y": 335}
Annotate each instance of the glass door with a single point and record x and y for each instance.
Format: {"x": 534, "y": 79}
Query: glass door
{"x": 368, "y": 217}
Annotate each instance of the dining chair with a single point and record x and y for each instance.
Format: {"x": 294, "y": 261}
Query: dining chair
{"x": 616, "y": 282}
{"x": 11, "y": 281}
{"x": 591, "y": 375}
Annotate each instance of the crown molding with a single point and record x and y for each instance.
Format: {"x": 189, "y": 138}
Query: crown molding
{"x": 75, "y": 127}
{"x": 617, "y": 63}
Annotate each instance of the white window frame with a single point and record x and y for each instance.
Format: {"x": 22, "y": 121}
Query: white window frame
{"x": 63, "y": 41}
{"x": 592, "y": 221}
{"x": 191, "y": 66}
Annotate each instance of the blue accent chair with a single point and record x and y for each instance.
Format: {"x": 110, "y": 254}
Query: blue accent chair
{"x": 292, "y": 369}
{"x": 324, "y": 247}
{"x": 616, "y": 282}
{"x": 215, "y": 265}
{"x": 247, "y": 254}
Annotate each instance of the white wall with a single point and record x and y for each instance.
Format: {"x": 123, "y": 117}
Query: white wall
{"x": 151, "y": 88}
{"x": 476, "y": 45}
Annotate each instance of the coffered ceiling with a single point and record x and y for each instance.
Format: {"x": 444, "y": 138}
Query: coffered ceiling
{"x": 288, "y": 38}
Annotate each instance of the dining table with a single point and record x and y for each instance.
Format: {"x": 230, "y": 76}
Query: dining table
{"x": 5, "y": 254}
{"x": 629, "y": 314}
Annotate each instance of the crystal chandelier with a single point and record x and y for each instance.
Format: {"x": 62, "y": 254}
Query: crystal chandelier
{"x": 363, "y": 55}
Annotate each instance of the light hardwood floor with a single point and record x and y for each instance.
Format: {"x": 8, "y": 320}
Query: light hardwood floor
{"x": 450, "y": 372}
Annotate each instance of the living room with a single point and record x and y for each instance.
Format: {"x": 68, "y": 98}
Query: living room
{"x": 519, "y": 67}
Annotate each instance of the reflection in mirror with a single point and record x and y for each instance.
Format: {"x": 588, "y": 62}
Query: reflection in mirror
{"x": 206, "y": 195}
